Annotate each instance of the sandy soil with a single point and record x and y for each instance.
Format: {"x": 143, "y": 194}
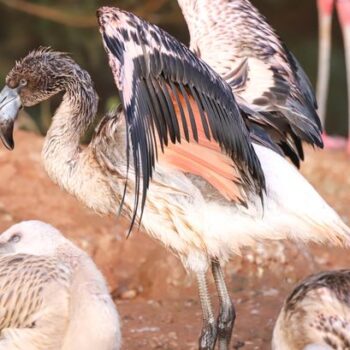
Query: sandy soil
{"x": 157, "y": 300}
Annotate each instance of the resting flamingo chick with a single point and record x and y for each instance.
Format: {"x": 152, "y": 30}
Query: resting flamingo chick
{"x": 177, "y": 153}
{"x": 325, "y": 14}
{"x": 52, "y": 296}
{"x": 316, "y": 315}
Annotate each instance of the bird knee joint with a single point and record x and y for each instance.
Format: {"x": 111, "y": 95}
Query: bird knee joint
{"x": 226, "y": 317}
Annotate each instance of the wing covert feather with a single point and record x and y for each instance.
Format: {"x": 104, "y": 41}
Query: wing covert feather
{"x": 22, "y": 283}
{"x": 237, "y": 41}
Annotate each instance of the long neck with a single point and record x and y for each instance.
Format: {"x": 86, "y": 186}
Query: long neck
{"x": 71, "y": 120}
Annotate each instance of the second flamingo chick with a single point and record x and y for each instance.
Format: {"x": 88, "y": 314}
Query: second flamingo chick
{"x": 316, "y": 315}
{"x": 52, "y": 296}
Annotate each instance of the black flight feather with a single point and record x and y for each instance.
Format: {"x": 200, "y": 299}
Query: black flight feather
{"x": 148, "y": 64}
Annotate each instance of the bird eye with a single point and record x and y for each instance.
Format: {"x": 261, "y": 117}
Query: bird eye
{"x": 15, "y": 238}
{"x": 23, "y": 82}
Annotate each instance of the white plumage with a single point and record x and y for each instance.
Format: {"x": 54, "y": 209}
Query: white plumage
{"x": 52, "y": 296}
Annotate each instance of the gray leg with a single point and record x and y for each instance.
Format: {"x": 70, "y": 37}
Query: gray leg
{"x": 208, "y": 335}
{"x": 227, "y": 315}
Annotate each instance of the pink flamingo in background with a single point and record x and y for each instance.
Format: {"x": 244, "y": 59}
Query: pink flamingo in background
{"x": 325, "y": 9}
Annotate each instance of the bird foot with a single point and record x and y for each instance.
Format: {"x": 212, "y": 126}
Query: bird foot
{"x": 334, "y": 142}
{"x": 207, "y": 339}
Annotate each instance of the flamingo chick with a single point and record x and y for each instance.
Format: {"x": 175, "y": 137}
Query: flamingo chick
{"x": 235, "y": 39}
{"x": 177, "y": 154}
{"x": 325, "y": 12}
{"x": 52, "y": 296}
{"x": 316, "y": 315}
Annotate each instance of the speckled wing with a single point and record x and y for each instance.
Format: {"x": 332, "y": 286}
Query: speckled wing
{"x": 23, "y": 279}
{"x": 171, "y": 97}
{"x": 236, "y": 40}
{"x": 337, "y": 282}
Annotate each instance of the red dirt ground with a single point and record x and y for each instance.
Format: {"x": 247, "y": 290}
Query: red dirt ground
{"x": 156, "y": 299}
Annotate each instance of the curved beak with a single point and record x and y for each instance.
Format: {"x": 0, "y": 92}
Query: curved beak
{"x": 10, "y": 104}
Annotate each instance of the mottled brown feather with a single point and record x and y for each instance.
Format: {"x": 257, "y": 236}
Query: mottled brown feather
{"x": 22, "y": 286}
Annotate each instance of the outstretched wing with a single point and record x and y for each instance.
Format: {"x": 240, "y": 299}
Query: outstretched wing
{"x": 236, "y": 41}
{"x": 171, "y": 98}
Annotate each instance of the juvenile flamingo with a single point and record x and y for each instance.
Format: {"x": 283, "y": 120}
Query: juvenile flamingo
{"x": 53, "y": 297}
{"x": 325, "y": 11}
{"x": 177, "y": 154}
{"x": 316, "y": 315}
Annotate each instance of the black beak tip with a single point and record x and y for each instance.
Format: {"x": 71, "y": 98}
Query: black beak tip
{"x": 10, "y": 145}
{"x": 6, "y": 136}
